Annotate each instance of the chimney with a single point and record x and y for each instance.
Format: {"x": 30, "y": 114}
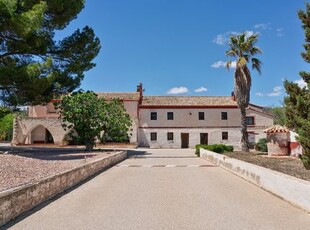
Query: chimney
{"x": 140, "y": 90}
{"x": 233, "y": 97}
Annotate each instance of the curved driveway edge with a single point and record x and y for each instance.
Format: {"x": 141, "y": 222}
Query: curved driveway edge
{"x": 14, "y": 202}
{"x": 292, "y": 189}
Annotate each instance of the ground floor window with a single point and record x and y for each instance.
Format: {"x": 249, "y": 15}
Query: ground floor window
{"x": 170, "y": 136}
{"x": 153, "y": 136}
{"x": 224, "y": 135}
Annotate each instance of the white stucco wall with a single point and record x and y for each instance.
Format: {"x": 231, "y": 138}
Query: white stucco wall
{"x": 189, "y": 117}
{"x": 186, "y": 120}
{"x": 214, "y": 137}
{"x": 132, "y": 109}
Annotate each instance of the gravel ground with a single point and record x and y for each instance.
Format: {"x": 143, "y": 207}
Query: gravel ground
{"x": 24, "y": 165}
{"x": 288, "y": 165}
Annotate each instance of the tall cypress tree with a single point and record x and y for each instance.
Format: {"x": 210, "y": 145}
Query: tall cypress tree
{"x": 297, "y": 103}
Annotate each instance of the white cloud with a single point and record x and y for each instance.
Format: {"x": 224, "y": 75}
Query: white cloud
{"x": 301, "y": 83}
{"x": 177, "y": 90}
{"x": 233, "y": 64}
{"x": 277, "y": 91}
{"x": 220, "y": 39}
{"x": 249, "y": 33}
{"x": 262, "y": 26}
{"x": 200, "y": 90}
{"x": 220, "y": 64}
{"x": 259, "y": 94}
{"x": 280, "y": 32}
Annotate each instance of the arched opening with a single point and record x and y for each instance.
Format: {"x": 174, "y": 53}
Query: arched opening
{"x": 41, "y": 135}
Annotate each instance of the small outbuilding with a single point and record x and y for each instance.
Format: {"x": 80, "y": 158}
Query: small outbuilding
{"x": 278, "y": 138}
{"x": 295, "y": 147}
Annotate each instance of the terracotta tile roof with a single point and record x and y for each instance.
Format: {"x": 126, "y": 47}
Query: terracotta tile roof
{"x": 277, "y": 129}
{"x": 123, "y": 96}
{"x": 187, "y": 101}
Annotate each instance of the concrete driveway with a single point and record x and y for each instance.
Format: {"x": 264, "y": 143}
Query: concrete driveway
{"x": 166, "y": 189}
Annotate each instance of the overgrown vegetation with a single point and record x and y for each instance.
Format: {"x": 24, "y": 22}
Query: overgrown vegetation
{"x": 297, "y": 103}
{"x": 6, "y": 127}
{"x": 89, "y": 117}
{"x": 261, "y": 145}
{"x": 279, "y": 115}
{"x": 218, "y": 148}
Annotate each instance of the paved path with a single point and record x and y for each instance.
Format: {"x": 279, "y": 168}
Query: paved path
{"x": 166, "y": 189}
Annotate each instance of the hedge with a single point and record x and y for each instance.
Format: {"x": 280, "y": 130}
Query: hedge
{"x": 218, "y": 148}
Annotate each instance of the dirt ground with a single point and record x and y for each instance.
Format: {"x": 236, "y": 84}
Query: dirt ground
{"x": 288, "y": 165}
{"x": 23, "y": 165}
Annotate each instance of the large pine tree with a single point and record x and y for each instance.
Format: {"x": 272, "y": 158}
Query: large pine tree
{"x": 297, "y": 103}
{"x": 34, "y": 66}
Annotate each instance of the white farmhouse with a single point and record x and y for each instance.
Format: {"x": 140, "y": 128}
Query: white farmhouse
{"x": 160, "y": 121}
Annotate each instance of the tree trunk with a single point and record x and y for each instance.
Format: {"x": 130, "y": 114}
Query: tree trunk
{"x": 89, "y": 147}
{"x": 244, "y": 132}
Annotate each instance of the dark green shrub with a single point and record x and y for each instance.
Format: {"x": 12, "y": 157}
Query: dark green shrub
{"x": 218, "y": 148}
{"x": 262, "y": 145}
{"x": 229, "y": 148}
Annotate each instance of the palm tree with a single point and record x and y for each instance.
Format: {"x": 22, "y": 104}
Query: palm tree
{"x": 243, "y": 49}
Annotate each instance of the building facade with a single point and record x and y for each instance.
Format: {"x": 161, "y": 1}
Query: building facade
{"x": 159, "y": 121}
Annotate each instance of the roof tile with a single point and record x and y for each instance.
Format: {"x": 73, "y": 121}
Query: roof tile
{"x": 188, "y": 101}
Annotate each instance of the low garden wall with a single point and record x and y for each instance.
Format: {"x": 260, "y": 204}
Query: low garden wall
{"x": 14, "y": 202}
{"x": 291, "y": 189}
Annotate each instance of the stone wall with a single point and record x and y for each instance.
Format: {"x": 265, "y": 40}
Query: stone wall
{"x": 16, "y": 201}
{"x": 24, "y": 127}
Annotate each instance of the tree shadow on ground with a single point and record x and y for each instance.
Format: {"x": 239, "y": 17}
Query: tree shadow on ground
{"x": 49, "y": 153}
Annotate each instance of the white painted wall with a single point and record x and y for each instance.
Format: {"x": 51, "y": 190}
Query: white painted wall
{"x": 186, "y": 121}
{"x": 189, "y": 117}
{"x": 291, "y": 189}
{"x": 214, "y": 137}
{"x": 132, "y": 109}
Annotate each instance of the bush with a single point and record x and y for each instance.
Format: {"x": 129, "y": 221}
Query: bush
{"x": 6, "y": 127}
{"x": 218, "y": 148}
{"x": 262, "y": 145}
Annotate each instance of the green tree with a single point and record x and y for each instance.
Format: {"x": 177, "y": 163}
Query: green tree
{"x": 6, "y": 127}
{"x": 117, "y": 128}
{"x": 90, "y": 117}
{"x": 34, "y": 67}
{"x": 297, "y": 103}
{"x": 279, "y": 115}
{"x": 242, "y": 48}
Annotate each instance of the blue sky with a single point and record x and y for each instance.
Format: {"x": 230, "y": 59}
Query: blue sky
{"x": 177, "y": 47}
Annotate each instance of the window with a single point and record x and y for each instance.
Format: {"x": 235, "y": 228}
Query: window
{"x": 224, "y": 115}
{"x": 170, "y": 136}
{"x": 170, "y": 115}
{"x": 250, "y": 120}
{"x": 153, "y": 116}
{"x": 224, "y": 135}
{"x": 153, "y": 136}
{"x": 201, "y": 115}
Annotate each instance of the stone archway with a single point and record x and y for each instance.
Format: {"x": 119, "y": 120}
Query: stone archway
{"x": 40, "y": 134}
{"x": 41, "y": 130}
